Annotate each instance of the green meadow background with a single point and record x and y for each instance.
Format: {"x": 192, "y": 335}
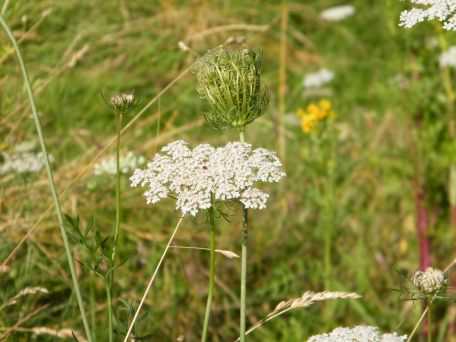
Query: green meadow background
{"x": 353, "y": 183}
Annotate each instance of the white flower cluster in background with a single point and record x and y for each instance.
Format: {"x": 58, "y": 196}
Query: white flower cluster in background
{"x": 318, "y": 79}
{"x": 127, "y": 163}
{"x": 337, "y": 13}
{"x": 448, "y": 58}
{"x": 361, "y": 333}
{"x": 195, "y": 175}
{"x": 430, "y": 281}
{"x": 22, "y": 162}
{"x": 441, "y": 10}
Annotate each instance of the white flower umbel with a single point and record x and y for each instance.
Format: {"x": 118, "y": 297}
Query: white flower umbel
{"x": 359, "y": 333}
{"x": 127, "y": 164}
{"x": 441, "y": 10}
{"x": 448, "y": 58}
{"x": 23, "y": 162}
{"x": 337, "y": 13}
{"x": 192, "y": 176}
{"x": 318, "y": 79}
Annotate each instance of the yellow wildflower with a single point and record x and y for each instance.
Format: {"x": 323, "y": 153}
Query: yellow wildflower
{"x": 308, "y": 123}
{"x": 314, "y": 113}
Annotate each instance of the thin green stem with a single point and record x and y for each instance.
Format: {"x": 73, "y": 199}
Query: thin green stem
{"x": 117, "y": 223}
{"x": 211, "y": 272}
{"x": 329, "y": 213}
{"x": 4, "y": 7}
{"x": 93, "y": 304}
{"x": 50, "y": 176}
{"x": 116, "y": 229}
{"x": 244, "y": 241}
{"x": 241, "y": 136}
{"x": 108, "y": 296}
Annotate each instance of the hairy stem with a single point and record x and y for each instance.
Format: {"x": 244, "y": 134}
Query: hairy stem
{"x": 211, "y": 272}
{"x": 244, "y": 240}
{"x": 50, "y": 176}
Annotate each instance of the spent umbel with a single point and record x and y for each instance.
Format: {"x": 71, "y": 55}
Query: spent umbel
{"x": 230, "y": 83}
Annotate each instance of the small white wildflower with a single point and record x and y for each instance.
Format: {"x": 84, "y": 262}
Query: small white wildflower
{"x": 23, "y": 162}
{"x": 127, "y": 164}
{"x": 448, "y": 58}
{"x": 337, "y": 13}
{"x": 359, "y": 333}
{"x": 441, "y": 10}
{"x": 430, "y": 281}
{"x": 193, "y": 176}
{"x": 25, "y": 146}
{"x": 318, "y": 79}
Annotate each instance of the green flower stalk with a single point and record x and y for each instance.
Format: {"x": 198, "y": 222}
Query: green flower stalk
{"x": 230, "y": 82}
{"x": 121, "y": 104}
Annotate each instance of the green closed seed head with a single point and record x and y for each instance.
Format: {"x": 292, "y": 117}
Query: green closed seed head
{"x": 230, "y": 82}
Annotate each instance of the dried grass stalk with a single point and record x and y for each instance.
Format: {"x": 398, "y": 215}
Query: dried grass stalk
{"x": 307, "y": 299}
{"x": 224, "y": 252}
{"x": 61, "y": 333}
{"x": 28, "y": 291}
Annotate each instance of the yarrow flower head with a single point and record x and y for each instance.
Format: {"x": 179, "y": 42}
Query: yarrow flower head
{"x": 314, "y": 113}
{"x": 127, "y": 164}
{"x": 430, "y": 281}
{"x": 196, "y": 177}
{"x": 318, "y": 79}
{"x": 337, "y": 13}
{"x": 359, "y": 333}
{"x": 230, "y": 82}
{"x": 441, "y": 10}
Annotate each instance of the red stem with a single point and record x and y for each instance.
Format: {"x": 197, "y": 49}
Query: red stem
{"x": 422, "y": 227}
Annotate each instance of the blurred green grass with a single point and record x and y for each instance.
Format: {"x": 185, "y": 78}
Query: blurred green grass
{"x": 133, "y": 45}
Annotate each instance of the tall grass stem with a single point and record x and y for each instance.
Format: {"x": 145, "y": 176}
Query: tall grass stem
{"x": 50, "y": 176}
